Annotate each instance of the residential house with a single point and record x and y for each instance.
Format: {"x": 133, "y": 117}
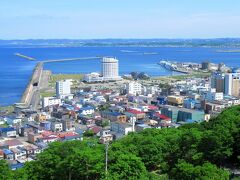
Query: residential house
{"x": 86, "y": 110}
{"x": 114, "y": 116}
{"x": 56, "y": 126}
{"x": 135, "y": 113}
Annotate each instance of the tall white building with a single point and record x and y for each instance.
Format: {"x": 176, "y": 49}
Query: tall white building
{"x": 63, "y": 88}
{"x": 134, "y": 88}
{"x": 232, "y": 84}
{"x": 110, "y": 69}
{"x": 228, "y": 84}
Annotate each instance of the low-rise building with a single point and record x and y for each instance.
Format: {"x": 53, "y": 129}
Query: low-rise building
{"x": 87, "y": 110}
{"x": 50, "y": 101}
{"x": 56, "y": 126}
{"x": 121, "y": 128}
{"x": 114, "y": 116}
{"x": 175, "y": 100}
{"x": 134, "y": 113}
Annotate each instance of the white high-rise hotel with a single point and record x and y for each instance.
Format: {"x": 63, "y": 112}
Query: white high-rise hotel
{"x": 110, "y": 69}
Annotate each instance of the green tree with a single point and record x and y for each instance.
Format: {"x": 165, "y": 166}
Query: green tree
{"x": 184, "y": 170}
{"x": 126, "y": 166}
{"x": 5, "y": 171}
{"x": 88, "y": 133}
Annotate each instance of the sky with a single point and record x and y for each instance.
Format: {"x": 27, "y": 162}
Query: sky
{"x": 98, "y": 19}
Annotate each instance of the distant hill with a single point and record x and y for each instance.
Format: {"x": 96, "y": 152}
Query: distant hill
{"x": 221, "y": 42}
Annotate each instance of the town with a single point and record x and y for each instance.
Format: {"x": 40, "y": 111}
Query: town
{"x": 107, "y": 106}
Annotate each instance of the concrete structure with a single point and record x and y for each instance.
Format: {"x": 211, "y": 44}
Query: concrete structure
{"x": 175, "y": 100}
{"x": 93, "y": 77}
{"x": 50, "y": 101}
{"x": 121, "y": 128}
{"x": 182, "y": 114}
{"x": 110, "y": 69}
{"x": 228, "y": 84}
{"x": 63, "y": 88}
{"x": 217, "y": 81}
{"x": 86, "y": 110}
{"x": 56, "y": 126}
{"x": 68, "y": 125}
{"x": 106, "y": 137}
{"x": 114, "y": 116}
{"x": 134, "y": 88}
{"x": 212, "y": 95}
{"x": 135, "y": 113}
{"x": 232, "y": 84}
{"x": 206, "y": 65}
{"x": 236, "y": 86}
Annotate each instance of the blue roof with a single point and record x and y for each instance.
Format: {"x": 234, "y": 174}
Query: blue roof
{"x": 86, "y": 108}
{"x": 16, "y": 166}
{"x": 7, "y": 151}
{"x": 6, "y": 129}
{"x": 115, "y": 113}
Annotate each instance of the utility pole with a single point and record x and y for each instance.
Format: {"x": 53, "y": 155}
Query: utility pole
{"x": 106, "y": 158}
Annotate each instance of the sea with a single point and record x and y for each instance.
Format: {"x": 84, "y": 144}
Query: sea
{"x": 15, "y": 72}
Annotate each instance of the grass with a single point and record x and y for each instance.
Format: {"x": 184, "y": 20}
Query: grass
{"x": 47, "y": 94}
{"x": 7, "y": 108}
{"x": 182, "y": 77}
{"x": 59, "y": 77}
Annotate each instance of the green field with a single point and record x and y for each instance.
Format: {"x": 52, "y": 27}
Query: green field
{"x": 182, "y": 77}
{"x": 58, "y": 77}
{"x": 7, "y": 108}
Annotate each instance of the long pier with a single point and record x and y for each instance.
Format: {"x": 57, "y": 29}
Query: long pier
{"x": 25, "y": 57}
{"x": 71, "y": 59}
{"x": 33, "y": 84}
{"x": 31, "y": 92}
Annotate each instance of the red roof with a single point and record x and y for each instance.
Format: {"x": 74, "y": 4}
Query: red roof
{"x": 66, "y": 134}
{"x": 161, "y": 116}
{"x": 46, "y": 133}
{"x": 96, "y": 129}
{"x": 13, "y": 142}
{"x": 133, "y": 111}
{"x": 152, "y": 107}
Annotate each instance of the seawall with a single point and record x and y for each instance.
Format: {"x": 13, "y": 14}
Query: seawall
{"x": 33, "y": 84}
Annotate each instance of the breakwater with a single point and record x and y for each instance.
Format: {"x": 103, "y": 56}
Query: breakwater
{"x": 33, "y": 84}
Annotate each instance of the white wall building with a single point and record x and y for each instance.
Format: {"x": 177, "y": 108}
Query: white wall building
{"x": 63, "y": 88}
{"x": 212, "y": 95}
{"x": 56, "y": 126}
{"x": 134, "y": 88}
{"x": 110, "y": 69}
{"x": 228, "y": 84}
{"x": 121, "y": 128}
{"x": 93, "y": 77}
{"x": 50, "y": 101}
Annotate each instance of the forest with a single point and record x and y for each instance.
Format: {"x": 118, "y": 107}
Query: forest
{"x": 208, "y": 150}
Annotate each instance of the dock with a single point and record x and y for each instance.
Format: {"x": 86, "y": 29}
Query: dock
{"x": 71, "y": 59}
{"x": 25, "y": 57}
{"x": 33, "y": 84}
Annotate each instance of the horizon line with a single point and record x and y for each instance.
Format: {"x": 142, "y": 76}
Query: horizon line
{"x": 212, "y": 38}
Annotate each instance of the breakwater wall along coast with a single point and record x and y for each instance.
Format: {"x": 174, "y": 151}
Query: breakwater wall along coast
{"x": 33, "y": 84}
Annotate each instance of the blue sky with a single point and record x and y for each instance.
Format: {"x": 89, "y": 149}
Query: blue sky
{"x": 84, "y": 19}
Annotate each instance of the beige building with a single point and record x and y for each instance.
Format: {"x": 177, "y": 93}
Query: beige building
{"x": 236, "y": 87}
{"x": 175, "y": 100}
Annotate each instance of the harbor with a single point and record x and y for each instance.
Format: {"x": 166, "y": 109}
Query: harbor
{"x": 177, "y": 67}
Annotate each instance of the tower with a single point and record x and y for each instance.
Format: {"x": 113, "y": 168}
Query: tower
{"x": 110, "y": 69}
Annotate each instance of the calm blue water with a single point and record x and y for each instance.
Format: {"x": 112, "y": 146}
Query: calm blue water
{"x": 15, "y": 72}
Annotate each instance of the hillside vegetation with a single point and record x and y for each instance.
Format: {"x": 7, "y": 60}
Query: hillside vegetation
{"x": 193, "y": 151}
